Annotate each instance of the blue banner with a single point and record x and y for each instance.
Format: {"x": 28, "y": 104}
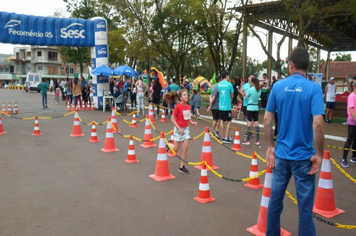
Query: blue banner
{"x": 49, "y": 31}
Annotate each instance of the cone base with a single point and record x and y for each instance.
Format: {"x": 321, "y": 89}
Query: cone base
{"x": 162, "y": 178}
{"x": 254, "y": 230}
{"x": 110, "y": 150}
{"x": 94, "y": 141}
{"x": 204, "y": 200}
{"x": 37, "y": 134}
{"x": 213, "y": 167}
{"x": 172, "y": 154}
{"x": 77, "y": 135}
{"x": 133, "y": 126}
{"x": 236, "y": 149}
{"x": 131, "y": 161}
{"x": 328, "y": 214}
{"x": 163, "y": 120}
{"x": 3, "y": 133}
{"x": 148, "y": 145}
{"x": 254, "y": 186}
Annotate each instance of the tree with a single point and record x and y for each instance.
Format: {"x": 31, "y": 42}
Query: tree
{"x": 343, "y": 57}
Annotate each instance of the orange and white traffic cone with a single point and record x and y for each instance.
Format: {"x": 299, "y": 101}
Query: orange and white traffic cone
{"x": 261, "y": 227}
{"x": 73, "y": 106}
{"x": 204, "y": 190}
{"x": 77, "y": 130}
{"x": 254, "y": 183}
{"x": 9, "y": 109}
{"x": 83, "y": 105}
{"x": 206, "y": 154}
{"x": 237, "y": 144}
{"x": 114, "y": 121}
{"x": 163, "y": 117}
{"x": 131, "y": 156}
{"x": 109, "y": 139}
{"x": 325, "y": 200}
{"x": 94, "y": 135}
{"x": 36, "y": 130}
{"x": 162, "y": 167}
{"x": 170, "y": 153}
{"x": 147, "y": 139}
{"x": 1, "y": 128}
{"x": 134, "y": 122}
{"x": 151, "y": 114}
{"x": 4, "y": 108}
{"x": 68, "y": 106}
{"x": 16, "y": 110}
{"x": 88, "y": 105}
{"x": 92, "y": 106}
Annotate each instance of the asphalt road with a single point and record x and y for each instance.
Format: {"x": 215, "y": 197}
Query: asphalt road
{"x": 58, "y": 185}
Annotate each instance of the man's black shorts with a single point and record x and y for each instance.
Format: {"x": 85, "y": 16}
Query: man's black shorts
{"x": 215, "y": 113}
{"x": 225, "y": 115}
{"x": 252, "y": 115}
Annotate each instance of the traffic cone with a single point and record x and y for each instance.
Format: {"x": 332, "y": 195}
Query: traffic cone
{"x": 83, "y": 105}
{"x": 134, "y": 123}
{"x": 131, "y": 156}
{"x": 151, "y": 114}
{"x": 204, "y": 190}
{"x": 261, "y": 226}
{"x": 1, "y": 129}
{"x": 77, "y": 130}
{"x": 237, "y": 145}
{"x": 9, "y": 109}
{"x": 92, "y": 106}
{"x": 73, "y": 106}
{"x": 206, "y": 154}
{"x": 163, "y": 117}
{"x": 254, "y": 183}
{"x": 4, "y": 108}
{"x": 170, "y": 153}
{"x": 162, "y": 167}
{"x": 78, "y": 106}
{"x": 36, "y": 130}
{"x": 94, "y": 135}
{"x": 88, "y": 105}
{"x": 68, "y": 106}
{"x": 147, "y": 139}
{"x": 114, "y": 121}
{"x": 16, "y": 110}
{"x": 109, "y": 139}
{"x": 325, "y": 200}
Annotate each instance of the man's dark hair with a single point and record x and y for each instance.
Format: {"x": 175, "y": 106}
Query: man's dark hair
{"x": 218, "y": 78}
{"x": 224, "y": 74}
{"x": 264, "y": 74}
{"x": 300, "y": 57}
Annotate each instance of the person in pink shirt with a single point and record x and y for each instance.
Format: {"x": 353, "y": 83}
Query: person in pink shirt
{"x": 351, "y": 122}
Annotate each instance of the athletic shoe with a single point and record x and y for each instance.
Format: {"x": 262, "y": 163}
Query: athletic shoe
{"x": 137, "y": 115}
{"x": 226, "y": 140}
{"x": 330, "y": 121}
{"x": 258, "y": 143}
{"x": 327, "y": 122}
{"x": 344, "y": 164}
{"x": 353, "y": 159}
{"x": 345, "y": 123}
{"x": 183, "y": 170}
{"x": 246, "y": 142}
{"x": 216, "y": 134}
{"x": 167, "y": 148}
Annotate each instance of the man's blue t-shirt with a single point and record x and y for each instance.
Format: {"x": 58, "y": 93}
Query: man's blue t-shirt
{"x": 225, "y": 90}
{"x": 126, "y": 86}
{"x": 245, "y": 88}
{"x": 297, "y": 100}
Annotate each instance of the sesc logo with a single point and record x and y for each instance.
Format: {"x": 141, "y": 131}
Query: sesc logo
{"x": 101, "y": 25}
{"x": 102, "y": 51}
{"x": 12, "y": 23}
{"x": 70, "y": 33}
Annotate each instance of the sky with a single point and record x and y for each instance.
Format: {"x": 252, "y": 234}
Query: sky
{"x": 49, "y": 7}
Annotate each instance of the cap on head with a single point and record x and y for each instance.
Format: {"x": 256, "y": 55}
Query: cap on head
{"x": 186, "y": 80}
{"x": 332, "y": 78}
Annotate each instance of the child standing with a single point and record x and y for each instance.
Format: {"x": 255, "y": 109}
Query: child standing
{"x": 181, "y": 119}
{"x": 192, "y": 101}
{"x": 197, "y": 101}
{"x": 57, "y": 96}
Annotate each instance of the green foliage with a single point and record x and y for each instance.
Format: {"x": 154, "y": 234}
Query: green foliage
{"x": 343, "y": 57}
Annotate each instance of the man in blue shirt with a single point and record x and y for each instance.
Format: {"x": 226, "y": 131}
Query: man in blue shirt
{"x": 226, "y": 93}
{"x": 43, "y": 86}
{"x": 300, "y": 123}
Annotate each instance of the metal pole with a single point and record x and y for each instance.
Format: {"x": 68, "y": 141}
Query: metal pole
{"x": 244, "y": 50}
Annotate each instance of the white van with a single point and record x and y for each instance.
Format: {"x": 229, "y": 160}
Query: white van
{"x": 32, "y": 81}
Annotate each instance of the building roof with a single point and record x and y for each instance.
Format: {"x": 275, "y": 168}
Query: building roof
{"x": 4, "y": 61}
{"x": 340, "y": 69}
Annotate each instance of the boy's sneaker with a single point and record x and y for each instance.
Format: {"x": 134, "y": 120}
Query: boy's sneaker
{"x": 183, "y": 170}
{"x": 344, "y": 164}
{"x": 226, "y": 140}
{"x": 258, "y": 143}
{"x": 353, "y": 159}
{"x": 246, "y": 142}
{"x": 216, "y": 134}
{"x": 167, "y": 148}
